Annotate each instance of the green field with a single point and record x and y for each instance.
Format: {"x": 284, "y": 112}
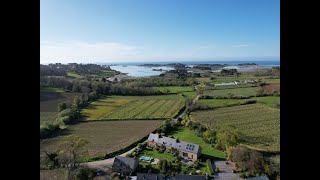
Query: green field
{"x": 189, "y": 95}
{"x": 105, "y": 136}
{"x": 147, "y": 109}
{"x": 268, "y": 100}
{"x": 259, "y": 124}
{"x": 250, "y": 91}
{"x": 73, "y": 75}
{"x": 104, "y": 106}
{"x": 134, "y": 107}
{"x": 185, "y": 134}
{"x": 175, "y": 89}
{"x": 216, "y": 103}
{"x": 232, "y": 86}
{"x": 48, "y": 116}
{"x": 51, "y": 89}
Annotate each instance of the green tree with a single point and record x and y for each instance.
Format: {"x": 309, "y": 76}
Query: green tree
{"x": 163, "y": 166}
{"x": 76, "y": 101}
{"x": 62, "y": 106}
{"x": 71, "y": 150}
{"x": 228, "y": 135}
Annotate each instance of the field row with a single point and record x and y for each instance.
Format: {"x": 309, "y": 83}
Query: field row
{"x": 259, "y": 124}
{"x": 148, "y": 109}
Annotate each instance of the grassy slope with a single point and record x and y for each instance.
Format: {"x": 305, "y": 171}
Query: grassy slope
{"x": 185, "y": 134}
{"x": 105, "y": 136}
{"x": 259, "y": 124}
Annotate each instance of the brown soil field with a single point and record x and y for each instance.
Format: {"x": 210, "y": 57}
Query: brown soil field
{"x": 49, "y": 100}
{"x": 272, "y": 87}
{"x": 105, "y": 136}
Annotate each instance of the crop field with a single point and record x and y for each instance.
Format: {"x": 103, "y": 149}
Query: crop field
{"x": 134, "y": 107}
{"x": 105, "y": 136}
{"x": 104, "y": 106}
{"x": 250, "y": 91}
{"x": 259, "y": 124}
{"x": 175, "y": 89}
{"x": 147, "y": 109}
{"x": 272, "y": 87}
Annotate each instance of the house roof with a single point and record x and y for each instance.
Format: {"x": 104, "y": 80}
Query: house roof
{"x": 124, "y": 161}
{"x": 180, "y": 145}
{"x": 143, "y": 176}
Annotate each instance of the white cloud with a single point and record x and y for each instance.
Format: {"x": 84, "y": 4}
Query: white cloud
{"x": 241, "y": 45}
{"x": 84, "y": 52}
{"x": 79, "y": 51}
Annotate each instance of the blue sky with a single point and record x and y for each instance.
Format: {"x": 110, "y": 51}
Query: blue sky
{"x": 158, "y": 30}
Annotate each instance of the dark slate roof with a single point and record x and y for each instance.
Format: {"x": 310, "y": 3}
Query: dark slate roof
{"x": 180, "y": 145}
{"x": 124, "y": 161}
{"x": 143, "y": 176}
{"x": 258, "y": 178}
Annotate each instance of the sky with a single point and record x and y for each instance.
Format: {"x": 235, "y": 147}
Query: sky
{"x": 91, "y": 31}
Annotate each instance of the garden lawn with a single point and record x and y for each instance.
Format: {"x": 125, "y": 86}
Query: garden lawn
{"x": 185, "y": 134}
{"x": 155, "y": 154}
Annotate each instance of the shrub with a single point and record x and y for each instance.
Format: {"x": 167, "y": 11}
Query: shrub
{"x": 65, "y": 112}
{"x": 64, "y": 120}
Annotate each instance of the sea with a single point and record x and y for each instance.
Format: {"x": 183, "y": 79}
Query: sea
{"x": 134, "y": 70}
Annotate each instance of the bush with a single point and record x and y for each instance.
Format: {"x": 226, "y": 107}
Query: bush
{"x": 64, "y": 120}
{"x": 65, "y": 112}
